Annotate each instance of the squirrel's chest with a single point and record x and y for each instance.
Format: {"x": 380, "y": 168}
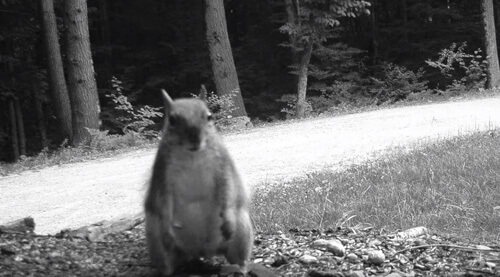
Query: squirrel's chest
{"x": 192, "y": 180}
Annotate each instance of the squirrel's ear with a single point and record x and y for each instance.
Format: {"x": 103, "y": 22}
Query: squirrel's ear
{"x": 167, "y": 100}
{"x": 203, "y": 93}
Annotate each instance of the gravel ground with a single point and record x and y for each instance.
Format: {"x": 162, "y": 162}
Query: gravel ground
{"x": 330, "y": 253}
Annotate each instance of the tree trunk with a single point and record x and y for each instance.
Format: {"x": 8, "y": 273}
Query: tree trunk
{"x": 302, "y": 83}
{"x": 405, "y": 20}
{"x": 104, "y": 20}
{"x": 292, "y": 12}
{"x": 491, "y": 45}
{"x": 57, "y": 83}
{"x": 374, "y": 42}
{"x": 13, "y": 131}
{"x": 20, "y": 127}
{"x": 81, "y": 80}
{"x": 225, "y": 77}
{"x": 40, "y": 119}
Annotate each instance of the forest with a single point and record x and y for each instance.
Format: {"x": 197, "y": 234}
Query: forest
{"x": 73, "y": 70}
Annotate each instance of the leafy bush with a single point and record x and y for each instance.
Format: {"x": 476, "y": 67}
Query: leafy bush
{"x": 466, "y": 71}
{"x": 396, "y": 83}
{"x": 290, "y": 101}
{"x": 221, "y": 106}
{"x": 103, "y": 141}
{"x": 130, "y": 118}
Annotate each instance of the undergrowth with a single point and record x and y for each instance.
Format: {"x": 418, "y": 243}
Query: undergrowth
{"x": 101, "y": 144}
{"x": 450, "y": 186}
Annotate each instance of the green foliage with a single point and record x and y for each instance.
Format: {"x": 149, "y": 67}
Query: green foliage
{"x": 220, "y": 106}
{"x": 100, "y": 144}
{"x": 130, "y": 118}
{"x": 103, "y": 141}
{"x": 336, "y": 73}
{"x": 290, "y": 101}
{"x": 396, "y": 83}
{"x": 467, "y": 71}
{"x": 317, "y": 18}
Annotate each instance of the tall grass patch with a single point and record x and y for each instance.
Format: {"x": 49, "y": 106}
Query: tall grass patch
{"x": 451, "y": 186}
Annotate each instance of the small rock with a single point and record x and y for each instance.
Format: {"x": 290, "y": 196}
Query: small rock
{"x": 7, "y": 251}
{"x": 394, "y": 274}
{"x": 317, "y": 273}
{"x": 483, "y": 247}
{"x": 279, "y": 261}
{"x": 376, "y": 257}
{"x": 308, "y": 259}
{"x": 35, "y": 253}
{"x": 336, "y": 247}
{"x": 258, "y": 260}
{"x": 352, "y": 258}
{"x": 490, "y": 264}
{"x": 320, "y": 243}
{"x": 412, "y": 232}
{"x": 419, "y": 242}
{"x": 268, "y": 261}
{"x": 356, "y": 273}
{"x": 428, "y": 259}
{"x": 55, "y": 254}
{"x": 374, "y": 242}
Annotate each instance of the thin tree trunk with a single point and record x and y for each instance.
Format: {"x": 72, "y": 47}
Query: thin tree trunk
{"x": 104, "y": 20}
{"x": 40, "y": 119}
{"x": 20, "y": 127}
{"x": 292, "y": 18}
{"x": 57, "y": 83}
{"x": 13, "y": 131}
{"x": 225, "y": 77}
{"x": 491, "y": 45}
{"x": 375, "y": 10}
{"x": 81, "y": 80}
{"x": 302, "y": 82}
{"x": 405, "y": 20}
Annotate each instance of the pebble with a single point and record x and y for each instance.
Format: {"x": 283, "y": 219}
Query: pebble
{"x": 376, "y": 257}
{"x": 258, "y": 260}
{"x": 336, "y": 248}
{"x": 308, "y": 259}
{"x": 374, "y": 242}
{"x": 320, "y": 243}
{"x": 394, "y": 274}
{"x": 55, "y": 254}
{"x": 357, "y": 273}
{"x": 491, "y": 264}
{"x": 428, "y": 259}
{"x": 483, "y": 247}
{"x": 352, "y": 258}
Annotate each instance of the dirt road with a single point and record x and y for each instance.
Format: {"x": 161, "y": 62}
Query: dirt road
{"x": 75, "y": 195}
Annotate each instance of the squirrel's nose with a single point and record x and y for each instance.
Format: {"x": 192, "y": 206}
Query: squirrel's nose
{"x": 194, "y": 138}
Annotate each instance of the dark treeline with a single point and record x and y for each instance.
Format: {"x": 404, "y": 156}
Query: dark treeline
{"x": 357, "y": 48}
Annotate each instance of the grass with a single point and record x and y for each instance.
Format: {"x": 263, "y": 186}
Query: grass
{"x": 100, "y": 145}
{"x": 451, "y": 186}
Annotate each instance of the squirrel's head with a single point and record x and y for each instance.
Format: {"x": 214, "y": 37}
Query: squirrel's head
{"x": 188, "y": 122}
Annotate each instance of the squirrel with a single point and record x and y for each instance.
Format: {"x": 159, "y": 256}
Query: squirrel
{"x": 196, "y": 205}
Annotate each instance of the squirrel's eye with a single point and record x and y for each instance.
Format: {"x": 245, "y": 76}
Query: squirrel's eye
{"x": 210, "y": 117}
{"x": 172, "y": 121}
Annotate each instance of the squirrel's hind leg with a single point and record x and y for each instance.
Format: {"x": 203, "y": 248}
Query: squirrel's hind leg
{"x": 163, "y": 255}
{"x": 239, "y": 247}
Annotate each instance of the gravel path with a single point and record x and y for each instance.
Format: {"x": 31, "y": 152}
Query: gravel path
{"x": 74, "y": 195}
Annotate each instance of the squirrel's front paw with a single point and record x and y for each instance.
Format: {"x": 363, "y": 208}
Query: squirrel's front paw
{"x": 227, "y": 229}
